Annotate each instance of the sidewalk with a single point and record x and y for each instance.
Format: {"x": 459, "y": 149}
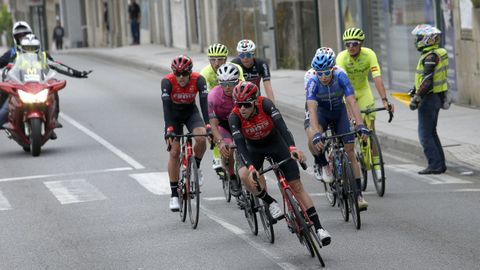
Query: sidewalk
{"x": 458, "y": 127}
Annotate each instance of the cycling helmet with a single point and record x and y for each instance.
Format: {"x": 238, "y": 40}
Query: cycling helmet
{"x": 181, "y": 64}
{"x": 246, "y": 45}
{"x": 217, "y": 49}
{"x": 245, "y": 92}
{"x": 427, "y": 36}
{"x": 228, "y": 72}
{"x": 353, "y": 34}
{"x": 20, "y": 28}
{"x": 30, "y": 44}
{"x": 324, "y": 59}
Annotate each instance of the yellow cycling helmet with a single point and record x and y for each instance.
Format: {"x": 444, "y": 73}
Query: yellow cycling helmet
{"x": 353, "y": 34}
{"x": 217, "y": 49}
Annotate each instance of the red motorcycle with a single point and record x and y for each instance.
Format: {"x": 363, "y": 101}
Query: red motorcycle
{"x": 31, "y": 88}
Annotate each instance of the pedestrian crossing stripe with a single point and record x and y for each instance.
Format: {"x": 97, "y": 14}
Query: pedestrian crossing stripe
{"x": 157, "y": 183}
{"x": 74, "y": 191}
{"x": 4, "y": 204}
{"x": 433, "y": 179}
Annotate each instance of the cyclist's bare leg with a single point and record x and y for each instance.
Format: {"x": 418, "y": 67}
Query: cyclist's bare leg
{"x": 249, "y": 185}
{"x": 302, "y": 195}
{"x": 173, "y": 162}
{"x": 350, "y": 149}
{"x": 200, "y": 142}
{"x": 374, "y": 149}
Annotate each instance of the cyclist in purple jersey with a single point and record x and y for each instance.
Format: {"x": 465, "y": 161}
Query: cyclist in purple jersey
{"x": 254, "y": 68}
{"x": 325, "y": 93}
{"x": 220, "y": 105}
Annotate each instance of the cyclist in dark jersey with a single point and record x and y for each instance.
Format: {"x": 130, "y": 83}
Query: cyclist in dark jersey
{"x": 254, "y": 68}
{"x": 259, "y": 130}
{"x": 179, "y": 90}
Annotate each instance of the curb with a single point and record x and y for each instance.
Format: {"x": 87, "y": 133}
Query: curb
{"x": 389, "y": 142}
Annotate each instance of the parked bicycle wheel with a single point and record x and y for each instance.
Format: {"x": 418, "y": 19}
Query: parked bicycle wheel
{"x": 350, "y": 190}
{"x": 379, "y": 182}
{"x": 266, "y": 219}
{"x": 193, "y": 193}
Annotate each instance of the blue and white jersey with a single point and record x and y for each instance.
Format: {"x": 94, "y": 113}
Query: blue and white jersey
{"x": 329, "y": 97}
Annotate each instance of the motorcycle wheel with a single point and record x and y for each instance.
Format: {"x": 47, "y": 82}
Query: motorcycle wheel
{"x": 35, "y": 136}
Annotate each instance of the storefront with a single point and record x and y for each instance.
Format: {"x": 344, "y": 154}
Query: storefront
{"x": 388, "y": 25}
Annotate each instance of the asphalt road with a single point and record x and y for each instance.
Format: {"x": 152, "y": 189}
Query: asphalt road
{"x": 97, "y": 198}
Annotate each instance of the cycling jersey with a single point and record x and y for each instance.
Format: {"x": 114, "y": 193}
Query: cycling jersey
{"x": 263, "y": 134}
{"x": 329, "y": 97}
{"x": 255, "y": 73}
{"x": 179, "y": 102}
{"x": 357, "y": 70}
{"x": 220, "y": 106}
{"x": 211, "y": 76}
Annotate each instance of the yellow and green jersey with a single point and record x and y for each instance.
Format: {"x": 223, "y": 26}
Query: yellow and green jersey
{"x": 211, "y": 76}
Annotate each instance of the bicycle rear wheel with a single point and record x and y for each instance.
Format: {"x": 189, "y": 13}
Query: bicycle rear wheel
{"x": 379, "y": 182}
{"x": 350, "y": 190}
{"x": 193, "y": 193}
{"x": 329, "y": 193}
{"x": 266, "y": 219}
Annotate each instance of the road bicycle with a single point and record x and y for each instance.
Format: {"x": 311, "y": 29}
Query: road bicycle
{"x": 342, "y": 191}
{"x": 225, "y": 176}
{"x": 366, "y": 150}
{"x": 252, "y": 205}
{"x": 188, "y": 184}
{"x": 296, "y": 216}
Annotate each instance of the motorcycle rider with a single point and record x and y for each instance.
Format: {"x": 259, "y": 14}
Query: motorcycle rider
{"x": 21, "y": 30}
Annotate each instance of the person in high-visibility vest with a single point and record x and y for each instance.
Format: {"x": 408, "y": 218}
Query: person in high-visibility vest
{"x": 429, "y": 93}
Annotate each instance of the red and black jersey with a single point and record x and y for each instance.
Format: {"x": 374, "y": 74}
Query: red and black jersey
{"x": 257, "y": 127}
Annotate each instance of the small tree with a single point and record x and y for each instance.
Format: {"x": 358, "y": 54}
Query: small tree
{"x": 6, "y": 24}
{"x": 476, "y": 3}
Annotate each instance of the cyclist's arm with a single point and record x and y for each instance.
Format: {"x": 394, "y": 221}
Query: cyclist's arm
{"x": 203, "y": 95}
{"x": 213, "y": 119}
{"x": 270, "y": 109}
{"x": 235, "y": 123}
{"x": 430, "y": 62}
{"x": 5, "y": 58}
{"x": 167, "y": 102}
{"x": 312, "y": 105}
{"x": 267, "y": 84}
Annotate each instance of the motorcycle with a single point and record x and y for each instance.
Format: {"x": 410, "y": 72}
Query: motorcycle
{"x": 31, "y": 86}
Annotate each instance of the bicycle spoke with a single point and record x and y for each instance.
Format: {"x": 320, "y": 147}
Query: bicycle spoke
{"x": 378, "y": 181}
{"x": 194, "y": 194}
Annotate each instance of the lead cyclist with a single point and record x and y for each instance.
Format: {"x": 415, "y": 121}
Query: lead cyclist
{"x": 358, "y": 61}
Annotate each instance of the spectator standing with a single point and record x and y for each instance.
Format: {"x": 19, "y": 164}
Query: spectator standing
{"x": 58, "y": 33}
{"x": 134, "y": 14}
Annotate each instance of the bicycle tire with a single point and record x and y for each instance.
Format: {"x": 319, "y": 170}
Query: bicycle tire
{"x": 361, "y": 162}
{"x": 299, "y": 218}
{"x": 330, "y": 194}
{"x": 379, "y": 183}
{"x": 315, "y": 243}
{"x": 266, "y": 219}
{"x": 351, "y": 191}
{"x": 226, "y": 187}
{"x": 249, "y": 211}
{"x": 182, "y": 194}
{"x": 341, "y": 195}
{"x": 193, "y": 194}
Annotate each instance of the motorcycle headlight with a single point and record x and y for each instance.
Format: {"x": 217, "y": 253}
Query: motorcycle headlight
{"x": 39, "y": 97}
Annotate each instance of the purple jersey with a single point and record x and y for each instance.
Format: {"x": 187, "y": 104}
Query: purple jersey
{"x": 219, "y": 105}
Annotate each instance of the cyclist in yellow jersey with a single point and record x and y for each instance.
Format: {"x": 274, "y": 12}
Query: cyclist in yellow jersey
{"x": 217, "y": 55}
{"x": 358, "y": 62}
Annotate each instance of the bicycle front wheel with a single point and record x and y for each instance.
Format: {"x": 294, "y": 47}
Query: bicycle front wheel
{"x": 378, "y": 180}
{"x": 182, "y": 197}
{"x": 193, "y": 193}
{"x": 226, "y": 186}
{"x": 350, "y": 190}
{"x": 266, "y": 219}
{"x": 360, "y": 153}
{"x": 250, "y": 214}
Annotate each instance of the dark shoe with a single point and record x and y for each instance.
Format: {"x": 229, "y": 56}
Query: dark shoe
{"x": 53, "y": 135}
{"x": 58, "y": 125}
{"x": 432, "y": 171}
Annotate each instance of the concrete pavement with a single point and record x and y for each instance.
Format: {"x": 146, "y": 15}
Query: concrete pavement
{"x": 458, "y": 127}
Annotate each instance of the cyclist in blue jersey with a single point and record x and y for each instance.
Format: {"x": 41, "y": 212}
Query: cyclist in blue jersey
{"x": 325, "y": 101}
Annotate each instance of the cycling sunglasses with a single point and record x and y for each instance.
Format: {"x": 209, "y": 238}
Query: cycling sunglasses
{"x": 349, "y": 44}
{"x": 183, "y": 73}
{"x": 247, "y": 105}
{"x": 246, "y": 55}
{"x": 324, "y": 73}
{"x": 219, "y": 59}
{"x": 228, "y": 83}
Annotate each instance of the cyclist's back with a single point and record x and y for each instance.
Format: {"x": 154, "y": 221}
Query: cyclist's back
{"x": 220, "y": 106}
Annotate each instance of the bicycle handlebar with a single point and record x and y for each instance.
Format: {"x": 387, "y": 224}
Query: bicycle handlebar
{"x": 390, "y": 113}
{"x": 189, "y": 135}
{"x": 339, "y": 135}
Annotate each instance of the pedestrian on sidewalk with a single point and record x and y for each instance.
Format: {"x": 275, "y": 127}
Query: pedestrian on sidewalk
{"x": 429, "y": 94}
{"x": 255, "y": 69}
{"x": 134, "y": 16}
{"x": 58, "y": 33}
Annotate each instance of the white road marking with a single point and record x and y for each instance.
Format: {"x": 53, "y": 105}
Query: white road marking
{"x": 64, "y": 174}
{"x": 4, "y": 204}
{"x": 74, "y": 191}
{"x": 103, "y": 142}
{"x": 433, "y": 179}
{"x": 157, "y": 182}
{"x": 467, "y": 190}
{"x": 396, "y": 157}
{"x": 214, "y": 198}
{"x": 241, "y": 233}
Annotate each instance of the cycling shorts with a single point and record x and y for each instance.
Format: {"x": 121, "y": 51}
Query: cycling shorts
{"x": 366, "y": 101}
{"x": 339, "y": 120}
{"x": 191, "y": 119}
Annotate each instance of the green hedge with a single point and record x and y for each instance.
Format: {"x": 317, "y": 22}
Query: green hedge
{"x": 476, "y": 3}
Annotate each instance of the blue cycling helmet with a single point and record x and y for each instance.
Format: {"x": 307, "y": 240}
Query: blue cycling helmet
{"x": 324, "y": 59}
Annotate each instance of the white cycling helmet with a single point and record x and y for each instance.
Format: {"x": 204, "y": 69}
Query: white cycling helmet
{"x": 30, "y": 43}
{"x": 246, "y": 45}
{"x": 228, "y": 72}
{"x": 20, "y": 28}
